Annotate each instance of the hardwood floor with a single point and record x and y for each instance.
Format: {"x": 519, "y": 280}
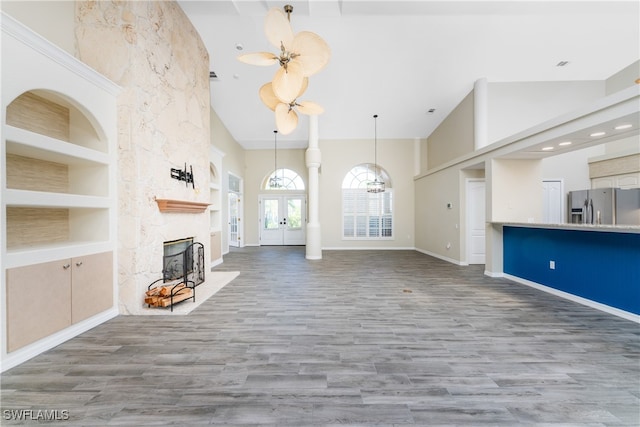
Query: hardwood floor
{"x": 360, "y": 338}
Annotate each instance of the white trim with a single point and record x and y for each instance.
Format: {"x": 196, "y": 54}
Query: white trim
{"x": 580, "y": 300}
{"x": 13, "y": 28}
{"x": 368, "y": 248}
{"x": 493, "y": 274}
{"x": 17, "y": 357}
{"x": 444, "y": 258}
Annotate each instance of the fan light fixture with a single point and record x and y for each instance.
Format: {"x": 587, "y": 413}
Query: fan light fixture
{"x": 375, "y": 186}
{"x": 275, "y": 181}
{"x": 301, "y": 55}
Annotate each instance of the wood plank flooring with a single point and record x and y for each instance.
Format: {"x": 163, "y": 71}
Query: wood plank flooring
{"x": 359, "y": 338}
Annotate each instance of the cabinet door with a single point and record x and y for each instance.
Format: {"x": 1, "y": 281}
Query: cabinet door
{"x": 38, "y": 302}
{"x": 91, "y": 285}
{"x": 216, "y": 246}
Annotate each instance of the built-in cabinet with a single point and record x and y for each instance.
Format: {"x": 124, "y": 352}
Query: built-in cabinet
{"x": 48, "y": 297}
{"x": 617, "y": 172}
{"x": 629, "y": 180}
{"x": 58, "y": 195}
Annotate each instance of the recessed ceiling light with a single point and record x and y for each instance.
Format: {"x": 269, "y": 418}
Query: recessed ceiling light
{"x": 620, "y": 127}
{"x": 239, "y": 46}
{"x": 598, "y": 134}
{"x": 564, "y": 143}
{"x": 562, "y": 64}
{"x": 431, "y": 110}
{"x": 547, "y": 148}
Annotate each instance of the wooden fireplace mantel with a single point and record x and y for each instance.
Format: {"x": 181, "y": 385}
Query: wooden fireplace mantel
{"x": 181, "y": 206}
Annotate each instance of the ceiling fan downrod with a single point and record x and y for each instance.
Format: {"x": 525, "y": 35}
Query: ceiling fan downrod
{"x": 288, "y": 9}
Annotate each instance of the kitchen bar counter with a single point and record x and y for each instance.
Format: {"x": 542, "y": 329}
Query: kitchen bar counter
{"x": 596, "y": 263}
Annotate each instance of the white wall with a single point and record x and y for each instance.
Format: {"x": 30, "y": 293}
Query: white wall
{"x": 514, "y": 107}
{"x": 623, "y": 79}
{"x": 572, "y": 168}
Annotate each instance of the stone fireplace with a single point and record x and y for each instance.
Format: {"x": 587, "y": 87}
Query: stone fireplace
{"x": 153, "y": 52}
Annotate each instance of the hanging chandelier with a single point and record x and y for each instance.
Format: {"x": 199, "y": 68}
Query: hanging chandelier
{"x": 375, "y": 186}
{"x": 301, "y": 56}
{"x": 275, "y": 181}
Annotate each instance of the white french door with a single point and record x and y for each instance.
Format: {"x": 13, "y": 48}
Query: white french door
{"x": 234, "y": 219}
{"x": 282, "y": 219}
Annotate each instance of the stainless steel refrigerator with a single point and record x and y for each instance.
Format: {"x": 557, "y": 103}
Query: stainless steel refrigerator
{"x": 605, "y": 206}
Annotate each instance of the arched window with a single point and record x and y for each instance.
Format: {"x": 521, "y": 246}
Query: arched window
{"x": 366, "y": 215}
{"x": 284, "y": 179}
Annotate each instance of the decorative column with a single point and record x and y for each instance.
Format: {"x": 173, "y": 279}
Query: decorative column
{"x": 313, "y": 160}
{"x": 480, "y": 113}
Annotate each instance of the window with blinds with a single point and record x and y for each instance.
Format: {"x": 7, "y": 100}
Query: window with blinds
{"x": 366, "y": 215}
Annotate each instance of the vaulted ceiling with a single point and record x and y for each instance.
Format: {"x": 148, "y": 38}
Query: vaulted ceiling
{"x": 400, "y": 59}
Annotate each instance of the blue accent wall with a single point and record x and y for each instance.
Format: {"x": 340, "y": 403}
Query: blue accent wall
{"x": 599, "y": 266}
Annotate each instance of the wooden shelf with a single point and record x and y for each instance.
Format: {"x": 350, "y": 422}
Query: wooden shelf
{"x": 181, "y": 206}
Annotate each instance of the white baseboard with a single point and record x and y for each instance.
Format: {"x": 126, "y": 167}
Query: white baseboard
{"x": 580, "y": 300}
{"x": 364, "y": 248}
{"x": 444, "y": 258}
{"x": 32, "y": 350}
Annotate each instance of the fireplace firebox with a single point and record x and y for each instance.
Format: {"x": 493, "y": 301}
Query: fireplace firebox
{"x": 183, "y": 269}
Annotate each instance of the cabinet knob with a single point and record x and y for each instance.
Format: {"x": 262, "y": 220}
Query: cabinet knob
{"x": 78, "y": 264}
{"x": 66, "y": 266}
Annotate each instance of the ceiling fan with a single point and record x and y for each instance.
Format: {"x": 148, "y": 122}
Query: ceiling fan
{"x": 286, "y": 117}
{"x": 301, "y": 56}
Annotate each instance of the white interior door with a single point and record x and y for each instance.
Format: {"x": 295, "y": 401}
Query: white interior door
{"x": 282, "y": 220}
{"x": 553, "y": 202}
{"x": 476, "y": 228}
{"x": 234, "y": 219}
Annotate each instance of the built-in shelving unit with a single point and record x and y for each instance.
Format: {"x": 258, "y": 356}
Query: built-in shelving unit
{"x": 215, "y": 205}
{"x": 57, "y": 194}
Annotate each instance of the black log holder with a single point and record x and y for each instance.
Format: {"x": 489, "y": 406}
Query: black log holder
{"x": 185, "y": 268}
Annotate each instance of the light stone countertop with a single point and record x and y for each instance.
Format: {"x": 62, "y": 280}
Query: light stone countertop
{"x": 609, "y": 228}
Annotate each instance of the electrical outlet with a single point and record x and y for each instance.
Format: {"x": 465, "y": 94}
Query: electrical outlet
{"x": 552, "y": 265}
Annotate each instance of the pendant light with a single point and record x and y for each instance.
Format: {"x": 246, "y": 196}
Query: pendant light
{"x": 375, "y": 186}
{"x": 275, "y": 181}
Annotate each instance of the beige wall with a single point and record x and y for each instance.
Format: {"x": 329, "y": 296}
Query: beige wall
{"x": 53, "y": 20}
{"x": 516, "y": 190}
{"x": 453, "y": 137}
{"x": 338, "y": 157}
{"x": 152, "y": 50}
{"x": 435, "y": 224}
{"x": 232, "y": 162}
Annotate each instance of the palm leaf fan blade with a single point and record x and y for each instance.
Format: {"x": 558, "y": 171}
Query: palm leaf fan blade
{"x": 268, "y": 97}
{"x": 288, "y": 82}
{"x": 259, "y": 58}
{"x": 286, "y": 119}
{"x": 278, "y": 29}
{"x": 309, "y": 108}
{"x": 313, "y": 52}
